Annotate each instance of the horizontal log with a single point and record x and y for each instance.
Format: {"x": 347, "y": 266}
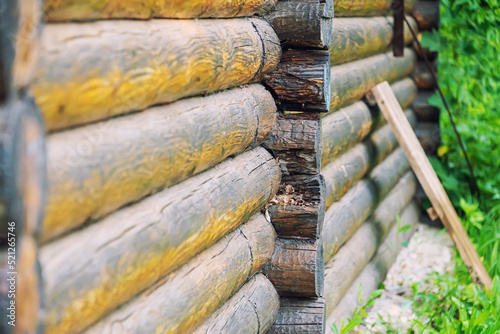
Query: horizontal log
{"x": 371, "y": 276}
{"x": 82, "y": 10}
{"x": 20, "y": 27}
{"x": 129, "y": 250}
{"x": 405, "y": 91}
{"x": 356, "y": 38}
{"x": 302, "y": 81}
{"x": 82, "y": 77}
{"x": 351, "y": 258}
{"x": 429, "y": 136}
{"x": 303, "y": 23}
{"x": 426, "y": 13}
{"x": 298, "y": 209}
{"x": 253, "y": 310}
{"x": 423, "y": 109}
{"x": 23, "y": 179}
{"x": 367, "y": 7}
{"x": 300, "y": 315}
{"x": 351, "y": 81}
{"x": 346, "y": 216}
{"x": 186, "y": 298}
{"x": 423, "y": 76}
{"x": 94, "y": 170}
{"x": 297, "y": 268}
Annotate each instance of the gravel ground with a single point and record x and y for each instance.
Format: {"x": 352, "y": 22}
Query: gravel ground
{"x": 429, "y": 250}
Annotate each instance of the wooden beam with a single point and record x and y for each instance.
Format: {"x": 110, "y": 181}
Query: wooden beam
{"x": 357, "y": 38}
{"x": 96, "y": 169}
{"x": 346, "y": 216}
{"x": 350, "y": 82}
{"x": 83, "y": 77}
{"x": 302, "y": 81}
{"x": 134, "y": 247}
{"x": 367, "y": 7}
{"x": 423, "y": 76}
{"x": 297, "y": 268}
{"x": 298, "y": 209}
{"x": 82, "y": 10}
{"x": 182, "y": 301}
{"x": 303, "y": 23}
{"x": 430, "y": 182}
{"x": 371, "y": 276}
{"x": 23, "y": 176}
{"x": 253, "y": 309}
{"x": 351, "y": 258}
{"x": 300, "y": 315}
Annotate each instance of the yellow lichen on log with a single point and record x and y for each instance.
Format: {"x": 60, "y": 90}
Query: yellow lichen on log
{"x": 367, "y": 7}
{"x": 96, "y": 169}
{"x": 83, "y": 10}
{"x": 91, "y": 272}
{"x": 92, "y": 71}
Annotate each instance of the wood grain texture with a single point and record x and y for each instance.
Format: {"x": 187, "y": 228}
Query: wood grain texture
{"x": 185, "y": 299}
{"x": 356, "y": 38}
{"x": 344, "y": 217}
{"x": 109, "y": 262}
{"x": 298, "y": 209}
{"x": 253, "y": 310}
{"x": 351, "y": 258}
{"x": 96, "y": 169}
{"x": 297, "y": 268}
{"x": 423, "y": 76}
{"x": 302, "y": 81}
{"x": 82, "y": 10}
{"x": 367, "y": 7}
{"x": 430, "y": 182}
{"x": 300, "y": 315}
{"x": 429, "y": 136}
{"x": 303, "y": 24}
{"x": 23, "y": 179}
{"x": 92, "y": 71}
{"x": 423, "y": 109}
{"x": 297, "y": 131}
{"x": 426, "y": 13}
{"x": 351, "y": 81}
{"x": 372, "y": 274}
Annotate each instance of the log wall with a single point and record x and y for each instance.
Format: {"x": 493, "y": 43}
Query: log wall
{"x": 211, "y": 167}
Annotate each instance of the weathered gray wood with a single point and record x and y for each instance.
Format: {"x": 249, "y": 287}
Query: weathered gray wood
{"x": 405, "y": 91}
{"x": 94, "y": 170}
{"x": 423, "y": 109}
{"x": 356, "y": 38}
{"x": 300, "y": 315}
{"x": 367, "y": 7}
{"x": 303, "y": 23}
{"x": 298, "y": 131}
{"x": 92, "y": 71}
{"x": 187, "y": 297}
{"x": 129, "y": 250}
{"x": 426, "y": 13}
{"x": 302, "y": 81}
{"x": 23, "y": 179}
{"x": 350, "y": 167}
{"x": 298, "y": 209}
{"x": 345, "y": 216}
{"x": 351, "y": 258}
{"x": 297, "y": 268}
{"x": 82, "y": 10}
{"x": 253, "y": 310}
{"x": 423, "y": 76}
{"x": 429, "y": 136}
{"x": 371, "y": 276}
{"x": 351, "y": 81}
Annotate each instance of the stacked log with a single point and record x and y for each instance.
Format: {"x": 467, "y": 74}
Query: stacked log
{"x": 367, "y": 7}
{"x": 131, "y": 249}
{"x": 83, "y": 76}
{"x": 301, "y": 87}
